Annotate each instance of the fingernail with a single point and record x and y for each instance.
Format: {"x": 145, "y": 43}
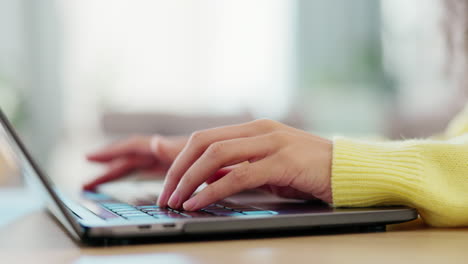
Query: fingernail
{"x": 190, "y": 204}
{"x": 174, "y": 200}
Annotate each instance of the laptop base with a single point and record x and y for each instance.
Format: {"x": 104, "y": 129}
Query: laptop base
{"x": 259, "y": 234}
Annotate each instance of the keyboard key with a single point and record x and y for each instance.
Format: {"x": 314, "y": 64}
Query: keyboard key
{"x": 235, "y": 206}
{"x": 174, "y": 210}
{"x": 258, "y": 213}
{"x": 120, "y": 208}
{"x": 198, "y": 214}
{"x": 155, "y": 210}
{"x": 220, "y": 212}
{"x": 230, "y": 213}
{"x": 134, "y": 214}
{"x": 113, "y": 204}
{"x": 125, "y": 210}
{"x": 172, "y": 214}
{"x": 214, "y": 207}
{"x": 249, "y": 209}
{"x": 147, "y": 207}
{"x": 156, "y": 213}
{"x": 228, "y": 204}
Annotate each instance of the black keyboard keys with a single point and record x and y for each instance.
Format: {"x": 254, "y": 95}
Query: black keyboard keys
{"x": 143, "y": 212}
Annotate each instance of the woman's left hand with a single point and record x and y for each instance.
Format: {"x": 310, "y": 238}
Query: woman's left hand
{"x": 260, "y": 154}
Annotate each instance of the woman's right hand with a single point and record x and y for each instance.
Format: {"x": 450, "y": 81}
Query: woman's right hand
{"x": 148, "y": 153}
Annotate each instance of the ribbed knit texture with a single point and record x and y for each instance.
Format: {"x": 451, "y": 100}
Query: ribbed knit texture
{"x": 430, "y": 175}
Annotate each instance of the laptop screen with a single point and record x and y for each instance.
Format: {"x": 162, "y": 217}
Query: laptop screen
{"x": 18, "y": 159}
{"x": 15, "y": 152}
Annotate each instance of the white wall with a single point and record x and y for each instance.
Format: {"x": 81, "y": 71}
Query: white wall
{"x": 183, "y": 56}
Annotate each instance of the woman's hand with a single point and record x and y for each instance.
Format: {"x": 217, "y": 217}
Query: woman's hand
{"x": 149, "y": 153}
{"x": 259, "y": 154}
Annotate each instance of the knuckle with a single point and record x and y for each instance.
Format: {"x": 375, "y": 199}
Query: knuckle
{"x": 196, "y": 137}
{"x": 216, "y": 149}
{"x": 240, "y": 176}
{"x": 266, "y": 124}
{"x": 212, "y": 193}
{"x": 280, "y": 136}
{"x": 283, "y": 156}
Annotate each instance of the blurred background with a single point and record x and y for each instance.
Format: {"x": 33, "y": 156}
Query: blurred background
{"x": 76, "y": 74}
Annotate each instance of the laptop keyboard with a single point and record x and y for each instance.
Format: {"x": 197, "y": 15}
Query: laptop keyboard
{"x": 132, "y": 212}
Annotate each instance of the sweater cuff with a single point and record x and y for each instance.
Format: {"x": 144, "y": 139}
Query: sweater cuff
{"x": 370, "y": 173}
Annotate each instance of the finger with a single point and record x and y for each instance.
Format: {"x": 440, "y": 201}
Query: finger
{"x": 219, "y": 174}
{"x": 167, "y": 148}
{"x": 217, "y": 156}
{"x": 243, "y": 178}
{"x": 118, "y": 171}
{"x": 157, "y": 169}
{"x": 198, "y": 143}
{"x": 136, "y": 145}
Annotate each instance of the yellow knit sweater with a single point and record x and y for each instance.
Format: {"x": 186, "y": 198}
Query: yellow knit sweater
{"x": 428, "y": 174}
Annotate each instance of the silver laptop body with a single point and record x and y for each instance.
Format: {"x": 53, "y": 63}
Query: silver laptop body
{"x": 98, "y": 218}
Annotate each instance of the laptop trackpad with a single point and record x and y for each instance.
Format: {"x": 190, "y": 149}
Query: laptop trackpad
{"x": 272, "y": 202}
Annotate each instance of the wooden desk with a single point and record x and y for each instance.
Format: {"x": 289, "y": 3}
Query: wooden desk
{"x": 37, "y": 238}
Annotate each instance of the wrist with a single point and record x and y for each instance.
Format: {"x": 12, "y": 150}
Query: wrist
{"x": 323, "y": 187}
{"x": 328, "y": 193}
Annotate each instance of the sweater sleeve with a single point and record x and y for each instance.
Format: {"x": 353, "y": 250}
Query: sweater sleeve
{"x": 430, "y": 175}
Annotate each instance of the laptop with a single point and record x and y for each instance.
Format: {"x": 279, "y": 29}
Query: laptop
{"x": 97, "y": 218}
